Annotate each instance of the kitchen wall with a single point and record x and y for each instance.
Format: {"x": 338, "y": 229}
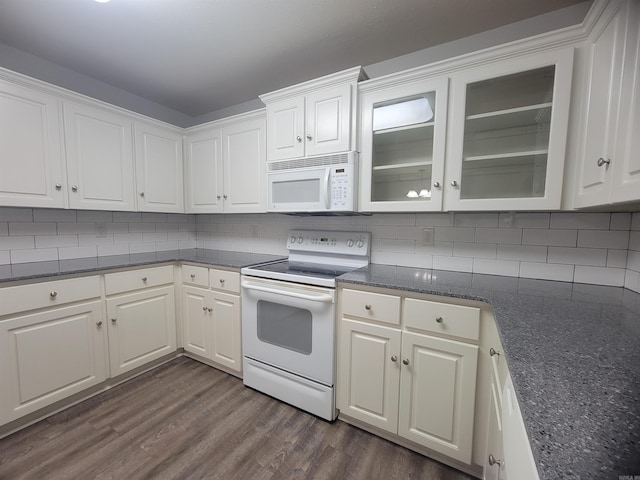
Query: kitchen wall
{"x": 596, "y": 248}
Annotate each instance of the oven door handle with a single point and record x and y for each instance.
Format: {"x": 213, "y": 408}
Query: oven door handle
{"x": 320, "y": 297}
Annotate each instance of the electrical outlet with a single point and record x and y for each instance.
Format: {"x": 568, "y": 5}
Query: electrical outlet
{"x": 428, "y": 237}
{"x": 101, "y": 229}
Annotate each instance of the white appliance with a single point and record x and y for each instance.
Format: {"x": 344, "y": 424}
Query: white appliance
{"x": 313, "y": 184}
{"x": 288, "y": 318}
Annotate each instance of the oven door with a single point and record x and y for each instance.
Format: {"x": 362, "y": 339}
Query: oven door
{"x": 289, "y": 326}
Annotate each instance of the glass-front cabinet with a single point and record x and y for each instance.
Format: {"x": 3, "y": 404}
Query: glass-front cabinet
{"x": 402, "y": 145}
{"x": 508, "y": 130}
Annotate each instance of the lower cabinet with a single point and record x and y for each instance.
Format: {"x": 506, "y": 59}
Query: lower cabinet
{"x": 211, "y": 317}
{"x": 50, "y": 355}
{"x": 416, "y": 385}
{"x": 142, "y": 328}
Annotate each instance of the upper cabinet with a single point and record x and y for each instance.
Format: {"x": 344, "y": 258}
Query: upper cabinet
{"x": 608, "y": 161}
{"x": 99, "y": 158}
{"x": 402, "y": 145}
{"x": 31, "y": 163}
{"x": 507, "y": 133}
{"x": 158, "y": 168}
{"x": 312, "y": 118}
{"x": 225, "y": 166}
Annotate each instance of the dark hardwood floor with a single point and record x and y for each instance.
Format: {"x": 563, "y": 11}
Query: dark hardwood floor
{"x": 185, "y": 420}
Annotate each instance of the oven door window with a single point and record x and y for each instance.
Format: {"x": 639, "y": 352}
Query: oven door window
{"x": 285, "y": 326}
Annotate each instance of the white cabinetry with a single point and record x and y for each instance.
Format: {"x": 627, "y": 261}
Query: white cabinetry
{"x": 403, "y": 125}
{"x": 211, "y": 317}
{"x": 609, "y": 166}
{"x": 141, "y": 317}
{"x": 225, "y": 166}
{"x": 52, "y": 343}
{"x": 507, "y": 133}
{"x": 158, "y": 168}
{"x": 416, "y": 375}
{"x": 31, "y": 167}
{"x": 313, "y": 118}
{"x": 99, "y": 158}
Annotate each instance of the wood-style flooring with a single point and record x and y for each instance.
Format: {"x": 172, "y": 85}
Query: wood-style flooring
{"x": 185, "y": 420}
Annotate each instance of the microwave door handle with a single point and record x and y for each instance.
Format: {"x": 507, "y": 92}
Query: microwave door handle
{"x": 322, "y": 297}
{"x": 327, "y": 193}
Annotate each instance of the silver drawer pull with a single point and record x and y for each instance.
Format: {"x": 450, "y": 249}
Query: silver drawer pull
{"x": 493, "y": 352}
{"x": 193, "y": 275}
{"x": 494, "y": 461}
{"x": 222, "y": 281}
{"x": 367, "y": 307}
{"x": 144, "y": 279}
{"x": 438, "y": 319}
{"x": 53, "y": 294}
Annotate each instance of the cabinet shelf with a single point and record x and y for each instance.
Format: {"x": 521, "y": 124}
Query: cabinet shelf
{"x": 403, "y": 165}
{"x": 513, "y": 117}
{"x": 403, "y": 128}
{"x": 523, "y": 155}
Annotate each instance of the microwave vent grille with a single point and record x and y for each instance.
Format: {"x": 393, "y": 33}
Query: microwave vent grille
{"x": 309, "y": 162}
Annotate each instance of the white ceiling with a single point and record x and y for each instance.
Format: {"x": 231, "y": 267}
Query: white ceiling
{"x": 199, "y": 56}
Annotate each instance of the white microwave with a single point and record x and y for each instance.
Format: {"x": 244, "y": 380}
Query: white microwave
{"x": 313, "y": 184}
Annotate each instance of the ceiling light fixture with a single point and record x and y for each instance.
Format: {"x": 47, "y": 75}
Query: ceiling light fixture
{"x": 102, "y": 1}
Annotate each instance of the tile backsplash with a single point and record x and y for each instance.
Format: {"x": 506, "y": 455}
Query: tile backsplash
{"x": 596, "y": 248}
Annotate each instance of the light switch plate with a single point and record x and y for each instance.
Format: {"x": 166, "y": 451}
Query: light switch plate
{"x": 428, "y": 237}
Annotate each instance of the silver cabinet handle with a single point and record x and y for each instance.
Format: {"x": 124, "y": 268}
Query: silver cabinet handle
{"x": 204, "y": 309}
{"x": 309, "y": 136}
{"x": 493, "y": 352}
{"x": 494, "y": 461}
{"x": 144, "y": 279}
{"x": 114, "y": 320}
{"x": 209, "y": 309}
{"x": 218, "y": 197}
{"x": 454, "y": 183}
{"x": 394, "y": 358}
{"x": 222, "y": 281}
{"x": 193, "y": 275}
{"x": 602, "y": 161}
{"x": 58, "y": 186}
{"x": 436, "y": 184}
{"x": 405, "y": 361}
{"x": 367, "y": 307}
{"x": 74, "y": 188}
{"x": 142, "y": 194}
{"x": 53, "y": 294}
{"x": 99, "y": 323}
{"x": 225, "y": 196}
{"x": 299, "y": 138}
{"x": 438, "y": 319}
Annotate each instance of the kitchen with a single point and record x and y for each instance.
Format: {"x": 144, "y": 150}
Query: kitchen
{"x": 516, "y": 242}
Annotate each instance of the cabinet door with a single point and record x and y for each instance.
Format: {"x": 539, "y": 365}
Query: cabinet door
{"x": 99, "y": 159}
{"x": 204, "y": 172}
{"x": 494, "y": 458}
{"x": 244, "y": 167}
{"x": 142, "y": 328}
{"x": 602, "y": 102}
{"x": 48, "y": 356}
{"x": 225, "y": 324}
{"x": 506, "y": 147}
{"x": 437, "y": 394}
{"x": 369, "y": 373}
{"x": 195, "y": 318}
{"x": 31, "y": 173}
{"x": 403, "y": 140}
{"x": 285, "y": 129}
{"x": 158, "y": 169}
{"x": 626, "y": 170}
{"x": 328, "y": 120}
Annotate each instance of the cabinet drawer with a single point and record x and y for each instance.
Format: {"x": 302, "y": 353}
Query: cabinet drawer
{"x": 371, "y": 306}
{"x": 225, "y": 280}
{"x": 137, "y": 279}
{"x": 195, "y": 275}
{"x": 443, "y": 318}
{"x": 48, "y": 294}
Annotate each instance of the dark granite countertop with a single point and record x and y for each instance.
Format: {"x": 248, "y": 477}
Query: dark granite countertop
{"x": 573, "y": 351}
{"x": 219, "y": 258}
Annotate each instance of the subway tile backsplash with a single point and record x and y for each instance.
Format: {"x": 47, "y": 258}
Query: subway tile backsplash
{"x": 594, "y": 248}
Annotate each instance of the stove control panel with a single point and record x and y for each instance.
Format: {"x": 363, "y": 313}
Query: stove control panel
{"x": 334, "y": 242}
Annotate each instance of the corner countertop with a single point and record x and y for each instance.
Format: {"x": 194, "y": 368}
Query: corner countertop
{"x": 573, "y": 351}
{"x": 218, "y": 258}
